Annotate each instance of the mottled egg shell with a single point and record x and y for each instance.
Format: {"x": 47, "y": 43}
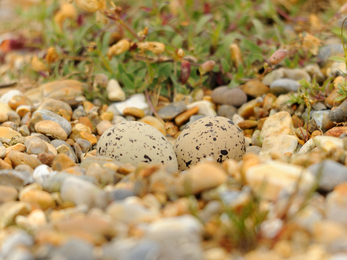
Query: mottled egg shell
{"x": 214, "y": 136}
{"x": 134, "y": 142}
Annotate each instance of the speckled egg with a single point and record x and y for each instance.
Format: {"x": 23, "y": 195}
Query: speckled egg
{"x": 214, "y": 136}
{"x": 134, "y": 142}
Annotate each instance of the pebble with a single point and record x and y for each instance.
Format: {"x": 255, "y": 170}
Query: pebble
{"x": 7, "y": 193}
{"x": 138, "y": 101}
{"x": 170, "y": 111}
{"x": 206, "y": 108}
{"x": 329, "y": 174}
{"x": 133, "y": 111}
{"x": 200, "y": 177}
{"x": 255, "y": 88}
{"x": 281, "y": 143}
{"x": 229, "y": 96}
{"x": 10, "y": 209}
{"x": 13, "y": 242}
{"x": 293, "y": 74}
{"x": 114, "y": 91}
{"x": 80, "y": 191}
{"x": 279, "y": 123}
{"x": 49, "y": 115}
{"x": 155, "y": 122}
{"x": 336, "y": 202}
{"x": 55, "y": 106}
{"x": 65, "y": 90}
{"x": 272, "y": 178}
{"x": 327, "y": 51}
{"x": 284, "y": 86}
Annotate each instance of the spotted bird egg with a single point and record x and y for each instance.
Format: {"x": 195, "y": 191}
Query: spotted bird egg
{"x": 134, "y": 142}
{"x": 214, "y": 136}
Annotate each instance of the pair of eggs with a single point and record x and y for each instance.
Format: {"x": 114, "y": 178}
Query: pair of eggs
{"x": 135, "y": 142}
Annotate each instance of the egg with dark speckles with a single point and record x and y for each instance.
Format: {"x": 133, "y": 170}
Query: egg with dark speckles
{"x": 134, "y": 142}
{"x": 213, "y": 137}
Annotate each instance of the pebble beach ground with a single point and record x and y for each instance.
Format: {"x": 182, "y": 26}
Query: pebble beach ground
{"x": 282, "y": 195}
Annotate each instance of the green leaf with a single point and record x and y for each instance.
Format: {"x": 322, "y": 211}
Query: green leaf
{"x": 165, "y": 70}
{"x": 340, "y": 98}
{"x": 127, "y": 82}
{"x": 177, "y": 41}
{"x": 252, "y": 47}
{"x": 200, "y": 26}
{"x": 233, "y": 84}
{"x": 338, "y": 59}
{"x": 239, "y": 74}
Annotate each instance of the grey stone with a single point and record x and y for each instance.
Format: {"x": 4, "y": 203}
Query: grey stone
{"x": 71, "y": 153}
{"x": 80, "y": 191}
{"x": 169, "y": 112}
{"x": 284, "y": 86}
{"x": 229, "y": 96}
{"x": 49, "y": 115}
{"x": 15, "y": 178}
{"x": 120, "y": 194}
{"x": 178, "y": 237}
{"x": 329, "y": 174}
{"x": 14, "y": 240}
{"x": 74, "y": 249}
{"x": 227, "y": 111}
{"x": 327, "y": 51}
{"x": 78, "y": 113}
{"x": 84, "y": 144}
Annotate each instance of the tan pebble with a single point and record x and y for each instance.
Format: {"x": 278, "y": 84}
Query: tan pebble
{"x": 269, "y": 100}
{"x": 126, "y": 169}
{"x": 216, "y": 253}
{"x": 330, "y": 100}
{"x": 50, "y": 236}
{"x": 249, "y": 159}
{"x": 301, "y": 142}
{"x": 106, "y": 116}
{"x": 86, "y": 121}
{"x": 17, "y": 147}
{"x": 18, "y": 158}
{"x": 232, "y": 168}
{"x": 336, "y": 131}
{"x": 297, "y": 122}
{"x": 23, "y": 110}
{"x": 103, "y": 126}
{"x": 155, "y": 122}
{"x": 89, "y": 137}
{"x": 4, "y": 165}
{"x": 177, "y": 208}
{"x": 279, "y": 123}
{"x": 171, "y": 128}
{"x": 248, "y": 124}
{"x": 70, "y": 141}
{"x": 79, "y": 127}
{"x": 247, "y": 109}
{"x": 315, "y": 133}
{"x": 262, "y": 255}
{"x": 8, "y": 161}
{"x": 200, "y": 177}
{"x": 184, "y": 117}
{"x": 37, "y": 218}
{"x": 61, "y": 162}
{"x": 46, "y": 158}
{"x": 283, "y": 248}
{"x": 65, "y": 114}
{"x": 87, "y": 105}
{"x": 19, "y": 100}
{"x": 10, "y": 209}
{"x": 207, "y": 98}
{"x": 39, "y": 197}
{"x": 133, "y": 111}
{"x": 7, "y": 193}
{"x": 51, "y": 128}
{"x": 7, "y": 132}
{"x": 3, "y": 117}
{"x": 261, "y": 123}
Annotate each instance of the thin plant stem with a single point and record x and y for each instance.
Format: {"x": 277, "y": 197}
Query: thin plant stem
{"x": 104, "y": 61}
{"x": 152, "y": 108}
